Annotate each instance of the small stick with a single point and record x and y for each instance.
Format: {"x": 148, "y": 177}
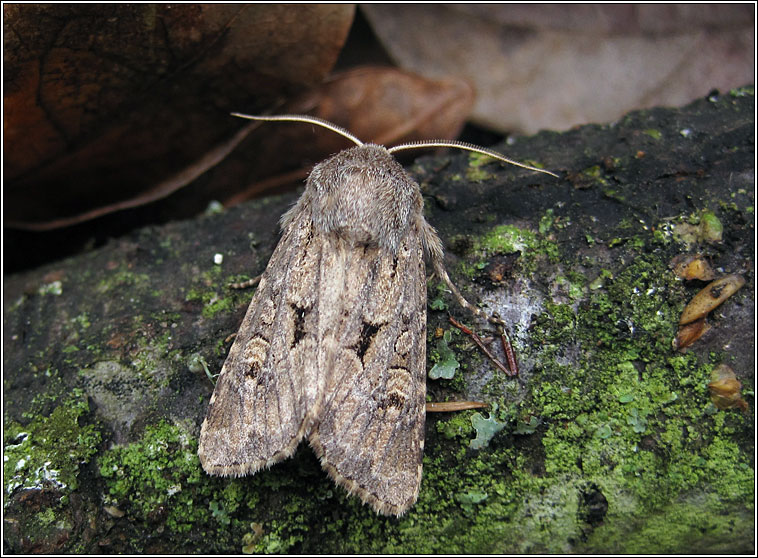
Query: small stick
{"x": 508, "y": 348}
{"x": 452, "y": 406}
{"x": 481, "y": 345}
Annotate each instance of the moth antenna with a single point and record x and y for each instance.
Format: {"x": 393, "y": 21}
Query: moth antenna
{"x": 467, "y": 147}
{"x": 303, "y": 118}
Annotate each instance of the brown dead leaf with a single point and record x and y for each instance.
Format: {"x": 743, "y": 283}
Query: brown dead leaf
{"x": 112, "y": 102}
{"x": 692, "y": 324}
{"x": 388, "y": 106}
{"x": 692, "y": 266}
{"x": 711, "y": 297}
{"x": 725, "y": 389}
{"x": 689, "y": 333}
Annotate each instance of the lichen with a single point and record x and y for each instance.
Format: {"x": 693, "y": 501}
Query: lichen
{"x": 485, "y": 428}
{"x": 446, "y": 363}
{"x": 48, "y": 452}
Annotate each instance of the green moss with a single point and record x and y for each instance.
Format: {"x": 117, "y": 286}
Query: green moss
{"x": 475, "y": 171}
{"x": 213, "y": 302}
{"x": 436, "y": 295}
{"x": 49, "y": 451}
{"x": 653, "y": 133}
{"x": 159, "y": 474}
{"x": 747, "y": 91}
{"x": 593, "y": 176}
{"x": 82, "y": 321}
{"x": 623, "y": 415}
{"x": 697, "y": 228}
{"x": 456, "y": 426}
{"x": 546, "y": 222}
{"x": 120, "y": 279}
{"x": 711, "y": 229}
{"x": 150, "y": 357}
{"x": 508, "y": 239}
{"x": 573, "y": 284}
{"x": 696, "y": 521}
{"x": 53, "y": 288}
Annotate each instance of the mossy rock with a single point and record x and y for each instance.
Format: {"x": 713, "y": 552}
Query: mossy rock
{"x": 606, "y": 442}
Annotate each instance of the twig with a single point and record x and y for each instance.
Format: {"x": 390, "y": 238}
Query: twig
{"x": 451, "y": 406}
{"x": 508, "y": 348}
{"x": 483, "y": 347}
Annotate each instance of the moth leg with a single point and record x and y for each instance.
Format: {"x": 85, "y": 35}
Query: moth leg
{"x": 479, "y": 343}
{"x": 246, "y": 284}
{"x": 440, "y": 272}
{"x": 433, "y": 248}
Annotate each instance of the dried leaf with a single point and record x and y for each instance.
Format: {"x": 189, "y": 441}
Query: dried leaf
{"x": 689, "y": 333}
{"x": 725, "y": 389}
{"x": 378, "y": 105}
{"x": 710, "y": 297}
{"x": 692, "y": 266}
{"x": 113, "y": 511}
{"x": 388, "y": 106}
{"x": 452, "y": 406}
{"x": 112, "y": 102}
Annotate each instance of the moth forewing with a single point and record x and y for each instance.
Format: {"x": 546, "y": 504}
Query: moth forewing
{"x": 257, "y": 414}
{"x": 369, "y": 434}
{"x": 333, "y": 345}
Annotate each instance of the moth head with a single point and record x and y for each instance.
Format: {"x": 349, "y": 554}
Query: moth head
{"x": 363, "y": 193}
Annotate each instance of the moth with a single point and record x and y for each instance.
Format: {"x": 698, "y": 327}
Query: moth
{"x": 333, "y": 346}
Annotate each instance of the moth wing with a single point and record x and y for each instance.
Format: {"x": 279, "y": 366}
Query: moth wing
{"x": 369, "y": 432}
{"x": 257, "y": 413}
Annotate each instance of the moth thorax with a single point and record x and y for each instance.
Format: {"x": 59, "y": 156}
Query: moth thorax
{"x": 365, "y": 196}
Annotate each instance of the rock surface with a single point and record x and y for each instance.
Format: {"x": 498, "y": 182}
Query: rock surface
{"x": 606, "y": 442}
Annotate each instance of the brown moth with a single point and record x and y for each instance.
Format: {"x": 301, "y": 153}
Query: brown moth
{"x": 333, "y": 346}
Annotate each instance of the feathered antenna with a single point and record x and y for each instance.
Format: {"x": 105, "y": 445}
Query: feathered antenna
{"x": 467, "y": 147}
{"x": 304, "y": 118}
{"x": 410, "y": 145}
